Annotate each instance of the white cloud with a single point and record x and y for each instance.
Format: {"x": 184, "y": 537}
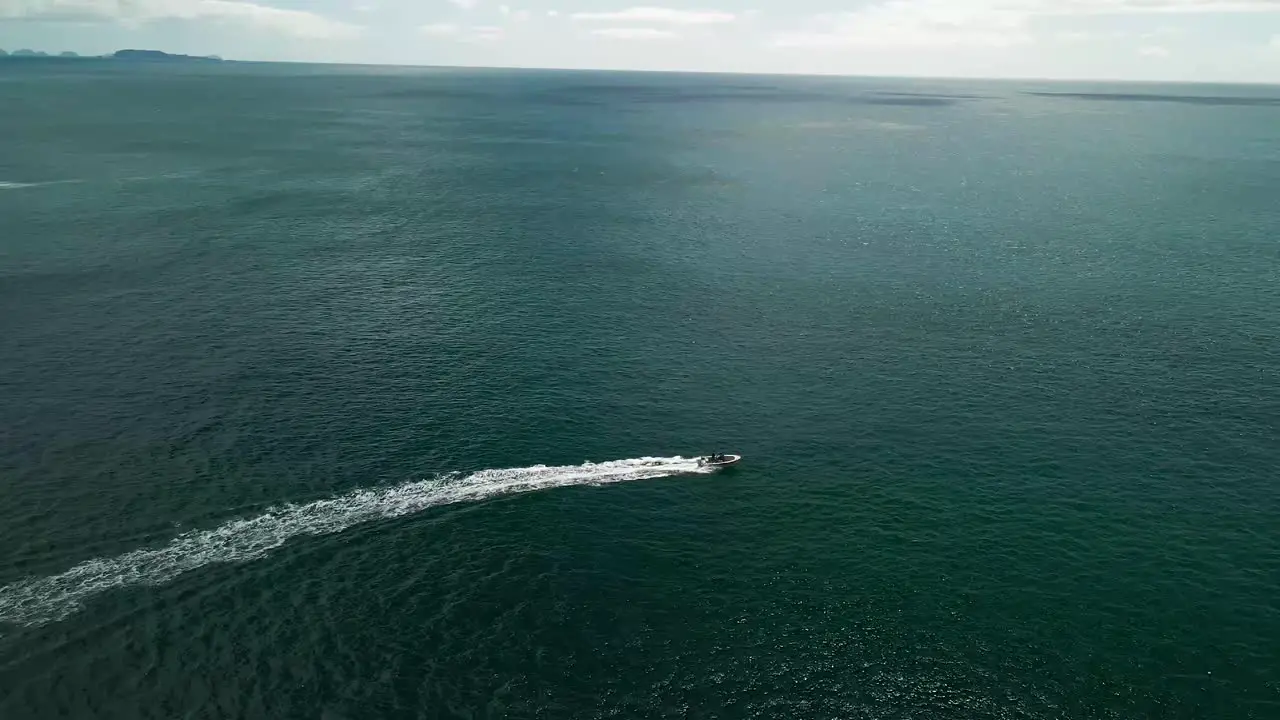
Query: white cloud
{"x": 666, "y": 16}
{"x": 1204, "y": 6}
{"x": 1164, "y": 32}
{"x": 1144, "y": 7}
{"x": 982, "y": 23}
{"x": 635, "y": 33}
{"x": 913, "y": 24}
{"x": 1156, "y": 51}
{"x": 553, "y": 13}
{"x": 469, "y": 33}
{"x": 259, "y": 17}
{"x": 1147, "y": 7}
{"x": 440, "y": 29}
{"x": 1075, "y": 37}
{"x": 465, "y": 4}
{"x": 517, "y": 15}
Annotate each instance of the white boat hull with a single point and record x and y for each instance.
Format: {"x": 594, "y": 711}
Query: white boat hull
{"x": 726, "y": 462}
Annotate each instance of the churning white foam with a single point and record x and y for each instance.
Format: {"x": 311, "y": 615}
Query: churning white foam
{"x": 41, "y": 600}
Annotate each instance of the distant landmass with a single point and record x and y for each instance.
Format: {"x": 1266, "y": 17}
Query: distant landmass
{"x": 128, "y": 55}
{"x": 157, "y": 56}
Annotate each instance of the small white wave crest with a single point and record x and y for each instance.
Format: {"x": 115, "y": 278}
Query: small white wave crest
{"x": 47, "y": 599}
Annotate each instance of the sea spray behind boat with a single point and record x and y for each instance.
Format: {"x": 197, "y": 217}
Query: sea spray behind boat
{"x": 40, "y": 600}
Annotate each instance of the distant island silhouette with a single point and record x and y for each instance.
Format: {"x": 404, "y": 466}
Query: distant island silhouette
{"x": 158, "y": 56}
{"x": 126, "y": 55}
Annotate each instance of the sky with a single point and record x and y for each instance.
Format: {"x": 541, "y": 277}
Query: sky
{"x": 1178, "y": 40}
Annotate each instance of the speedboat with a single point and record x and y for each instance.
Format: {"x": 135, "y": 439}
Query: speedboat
{"x": 718, "y": 461}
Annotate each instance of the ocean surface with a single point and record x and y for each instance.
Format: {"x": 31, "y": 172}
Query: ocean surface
{"x": 345, "y": 392}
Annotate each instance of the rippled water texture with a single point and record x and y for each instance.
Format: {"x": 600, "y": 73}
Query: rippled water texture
{"x": 315, "y": 382}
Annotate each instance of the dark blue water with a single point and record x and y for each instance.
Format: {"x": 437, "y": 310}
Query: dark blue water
{"x": 368, "y": 392}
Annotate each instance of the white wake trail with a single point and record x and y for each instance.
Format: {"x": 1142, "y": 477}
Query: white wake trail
{"x": 42, "y": 600}
{"x": 9, "y": 185}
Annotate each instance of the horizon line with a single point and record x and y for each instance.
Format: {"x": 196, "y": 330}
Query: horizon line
{"x": 980, "y": 78}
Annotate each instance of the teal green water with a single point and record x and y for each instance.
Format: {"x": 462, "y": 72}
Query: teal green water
{"x": 369, "y": 393}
